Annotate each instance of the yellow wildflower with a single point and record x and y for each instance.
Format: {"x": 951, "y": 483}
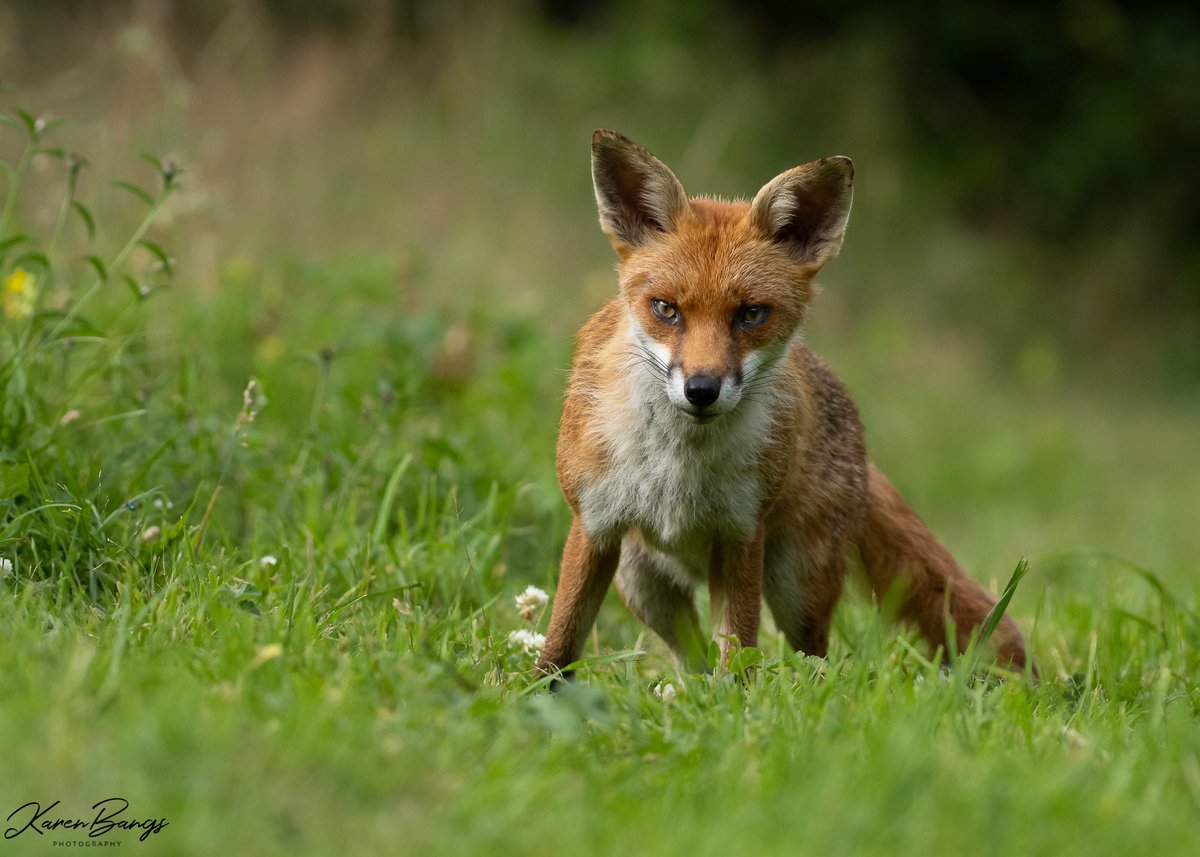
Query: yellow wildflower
{"x": 19, "y": 293}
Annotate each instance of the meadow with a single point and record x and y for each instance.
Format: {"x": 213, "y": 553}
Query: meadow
{"x": 276, "y": 457}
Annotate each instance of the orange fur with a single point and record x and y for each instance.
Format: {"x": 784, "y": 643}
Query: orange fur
{"x": 703, "y": 442}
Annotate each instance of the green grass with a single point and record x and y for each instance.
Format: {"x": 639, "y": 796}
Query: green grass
{"x": 395, "y": 456}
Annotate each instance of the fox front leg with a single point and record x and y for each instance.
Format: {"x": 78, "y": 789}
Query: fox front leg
{"x": 588, "y": 566}
{"x": 735, "y": 591}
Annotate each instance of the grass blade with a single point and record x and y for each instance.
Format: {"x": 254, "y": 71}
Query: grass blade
{"x": 997, "y": 612}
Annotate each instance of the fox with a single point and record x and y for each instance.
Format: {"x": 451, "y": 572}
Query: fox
{"x": 702, "y": 442}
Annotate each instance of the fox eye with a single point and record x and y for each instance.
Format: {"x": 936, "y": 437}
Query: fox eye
{"x": 753, "y": 316}
{"x": 665, "y": 310}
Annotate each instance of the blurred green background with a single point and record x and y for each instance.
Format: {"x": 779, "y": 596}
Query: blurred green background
{"x": 1017, "y": 305}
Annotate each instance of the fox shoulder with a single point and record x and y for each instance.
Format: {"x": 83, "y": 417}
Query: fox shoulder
{"x": 828, "y": 432}
{"x": 834, "y": 407}
{"x": 579, "y": 453}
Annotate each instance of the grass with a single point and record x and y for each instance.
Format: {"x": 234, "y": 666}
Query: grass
{"x": 394, "y": 456}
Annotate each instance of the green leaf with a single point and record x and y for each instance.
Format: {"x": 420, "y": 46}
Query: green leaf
{"x": 714, "y": 654}
{"x": 14, "y": 480}
{"x": 12, "y": 241}
{"x": 8, "y": 123}
{"x": 133, "y": 286}
{"x": 27, "y": 120}
{"x": 1161, "y": 588}
{"x": 31, "y": 258}
{"x": 158, "y": 252}
{"x": 136, "y": 191}
{"x": 158, "y": 165}
{"x": 98, "y": 266}
{"x": 244, "y": 596}
{"x": 744, "y": 659}
{"x": 86, "y": 216}
{"x": 77, "y": 326}
{"x": 55, "y": 152}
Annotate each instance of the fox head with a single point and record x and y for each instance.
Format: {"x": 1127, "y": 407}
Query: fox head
{"x": 715, "y": 291}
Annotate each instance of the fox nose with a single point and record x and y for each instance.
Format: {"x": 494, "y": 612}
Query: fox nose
{"x": 702, "y": 390}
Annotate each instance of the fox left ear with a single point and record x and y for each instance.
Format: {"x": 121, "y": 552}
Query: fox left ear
{"x": 638, "y": 196}
{"x": 807, "y": 208}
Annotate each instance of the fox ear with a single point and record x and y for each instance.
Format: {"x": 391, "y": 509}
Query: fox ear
{"x": 638, "y": 196}
{"x": 806, "y": 209}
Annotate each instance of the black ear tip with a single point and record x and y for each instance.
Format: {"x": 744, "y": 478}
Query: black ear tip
{"x": 841, "y": 164}
{"x": 603, "y": 138}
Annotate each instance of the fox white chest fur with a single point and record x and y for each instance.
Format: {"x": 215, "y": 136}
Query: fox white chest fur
{"x": 678, "y": 482}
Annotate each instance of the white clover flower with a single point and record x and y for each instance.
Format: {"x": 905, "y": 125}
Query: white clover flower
{"x": 6, "y": 567}
{"x": 150, "y": 533}
{"x": 665, "y": 691}
{"x": 530, "y": 641}
{"x": 268, "y": 561}
{"x": 530, "y": 602}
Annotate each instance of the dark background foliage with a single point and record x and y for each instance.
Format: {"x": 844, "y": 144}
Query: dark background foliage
{"x": 1067, "y": 132}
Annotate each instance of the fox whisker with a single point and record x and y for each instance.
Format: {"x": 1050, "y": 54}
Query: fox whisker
{"x": 646, "y": 356}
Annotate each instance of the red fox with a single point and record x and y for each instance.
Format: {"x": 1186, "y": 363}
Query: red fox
{"x": 703, "y": 442}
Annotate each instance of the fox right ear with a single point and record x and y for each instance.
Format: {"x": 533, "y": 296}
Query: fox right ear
{"x": 806, "y": 209}
{"x": 638, "y": 196}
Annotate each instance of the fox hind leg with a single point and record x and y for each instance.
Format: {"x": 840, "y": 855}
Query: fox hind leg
{"x": 659, "y": 596}
{"x": 802, "y": 588}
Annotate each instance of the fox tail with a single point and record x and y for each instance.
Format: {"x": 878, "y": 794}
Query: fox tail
{"x": 898, "y": 550}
